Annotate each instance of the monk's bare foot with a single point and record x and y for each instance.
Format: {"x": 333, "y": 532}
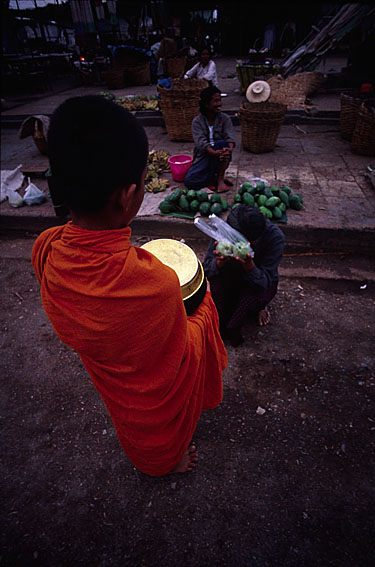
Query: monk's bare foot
{"x": 187, "y": 462}
{"x": 264, "y": 317}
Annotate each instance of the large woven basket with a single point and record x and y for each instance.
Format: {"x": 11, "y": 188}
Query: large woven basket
{"x": 260, "y": 125}
{"x": 137, "y": 74}
{"x": 114, "y": 78}
{"x": 179, "y": 106}
{"x": 293, "y": 90}
{"x": 350, "y": 103}
{"x": 175, "y": 66}
{"x": 363, "y": 140}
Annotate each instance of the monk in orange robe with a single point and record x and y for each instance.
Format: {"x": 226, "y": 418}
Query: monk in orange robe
{"x": 117, "y": 305}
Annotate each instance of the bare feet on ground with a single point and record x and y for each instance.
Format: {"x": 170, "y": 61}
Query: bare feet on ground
{"x": 264, "y": 317}
{"x": 187, "y": 462}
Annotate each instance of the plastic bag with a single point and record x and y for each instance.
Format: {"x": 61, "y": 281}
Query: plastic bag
{"x": 255, "y": 180}
{"x": 11, "y": 182}
{"x": 33, "y": 195}
{"x": 221, "y": 231}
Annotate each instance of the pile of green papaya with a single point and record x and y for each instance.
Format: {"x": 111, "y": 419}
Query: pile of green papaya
{"x": 184, "y": 200}
{"x": 271, "y": 201}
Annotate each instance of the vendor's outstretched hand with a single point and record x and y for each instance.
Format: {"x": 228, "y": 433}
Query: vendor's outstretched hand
{"x": 247, "y": 263}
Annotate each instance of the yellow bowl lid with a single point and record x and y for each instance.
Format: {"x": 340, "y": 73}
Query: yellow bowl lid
{"x": 177, "y": 255}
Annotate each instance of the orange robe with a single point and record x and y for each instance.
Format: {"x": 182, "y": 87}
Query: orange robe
{"x": 121, "y": 309}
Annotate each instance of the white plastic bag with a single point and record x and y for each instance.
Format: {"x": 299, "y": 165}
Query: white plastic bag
{"x": 255, "y": 180}
{"x": 33, "y": 195}
{"x": 11, "y": 182}
{"x": 221, "y": 231}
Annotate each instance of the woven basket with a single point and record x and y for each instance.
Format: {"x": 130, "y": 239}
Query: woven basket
{"x": 175, "y": 66}
{"x": 114, "y": 78}
{"x": 179, "y": 106}
{"x": 363, "y": 140}
{"x": 260, "y": 125}
{"x": 350, "y": 104}
{"x": 293, "y": 90}
{"x": 137, "y": 74}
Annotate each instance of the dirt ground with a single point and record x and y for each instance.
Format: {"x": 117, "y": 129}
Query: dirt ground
{"x": 290, "y": 486}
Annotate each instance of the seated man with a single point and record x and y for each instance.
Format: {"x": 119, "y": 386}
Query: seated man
{"x": 214, "y": 141}
{"x": 243, "y": 287}
{"x": 117, "y": 305}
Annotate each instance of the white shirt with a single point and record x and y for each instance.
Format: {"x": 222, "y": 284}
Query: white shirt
{"x": 199, "y": 72}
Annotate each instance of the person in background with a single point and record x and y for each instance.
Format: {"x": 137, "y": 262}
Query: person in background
{"x": 117, "y": 305}
{"x": 214, "y": 141}
{"x": 204, "y": 69}
{"x": 245, "y": 287}
{"x": 167, "y": 49}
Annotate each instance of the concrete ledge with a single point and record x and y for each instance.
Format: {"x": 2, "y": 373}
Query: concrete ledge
{"x": 298, "y": 238}
{"x": 155, "y": 118}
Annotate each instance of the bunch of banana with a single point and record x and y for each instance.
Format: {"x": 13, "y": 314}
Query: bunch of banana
{"x": 161, "y": 158}
{"x": 139, "y": 102}
{"x": 151, "y": 105}
{"x": 157, "y": 185}
{"x": 152, "y": 172}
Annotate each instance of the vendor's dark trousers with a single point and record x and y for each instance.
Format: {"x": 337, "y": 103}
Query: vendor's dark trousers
{"x": 202, "y": 172}
{"x": 236, "y": 303}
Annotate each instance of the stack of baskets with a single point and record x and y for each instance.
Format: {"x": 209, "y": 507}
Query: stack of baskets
{"x": 260, "y": 125}
{"x": 175, "y": 66}
{"x": 293, "y": 90}
{"x": 179, "y": 106}
{"x": 363, "y": 140}
{"x": 357, "y": 124}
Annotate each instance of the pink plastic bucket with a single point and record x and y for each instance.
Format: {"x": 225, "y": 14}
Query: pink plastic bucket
{"x": 179, "y": 166}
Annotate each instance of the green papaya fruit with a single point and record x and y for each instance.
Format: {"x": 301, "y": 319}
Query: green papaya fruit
{"x": 262, "y": 200}
{"x": 295, "y": 202}
{"x": 235, "y": 206}
{"x": 282, "y": 207}
{"x": 245, "y": 187}
{"x": 260, "y": 186}
{"x": 202, "y": 196}
{"x": 272, "y": 202}
{"x": 266, "y": 212}
{"x": 238, "y": 198}
{"x": 194, "y": 205}
{"x": 224, "y": 248}
{"x": 191, "y": 195}
{"x": 248, "y": 199}
{"x": 276, "y": 213}
{"x": 268, "y": 193}
{"x": 300, "y": 196}
{"x": 183, "y": 203}
{"x": 284, "y": 197}
{"x": 224, "y": 204}
{"x": 204, "y": 208}
{"x": 216, "y": 209}
{"x": 214, "y": 198}
{"x": 286, "y": 189}
{"x": 275, "y": 190}
{"x": 174, "y": 197}
{"x": 166, "y": 207}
